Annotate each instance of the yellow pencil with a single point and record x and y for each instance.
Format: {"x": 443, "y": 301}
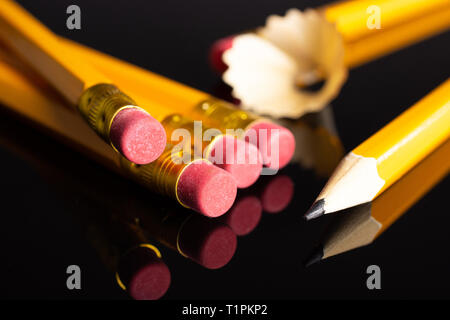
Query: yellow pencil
{"x": 385, "y": 41}
{"x": 386, "y": 156}
{"x": 361, "y": 225}
{"x": 351, "y": 17}
{"x": 110, "y": 113}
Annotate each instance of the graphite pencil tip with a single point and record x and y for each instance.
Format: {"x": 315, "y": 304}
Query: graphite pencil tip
{"x": 315, "y": 257}
{"x": 316, "y": 210}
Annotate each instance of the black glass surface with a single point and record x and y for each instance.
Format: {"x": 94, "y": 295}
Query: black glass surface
{"x": 49, "y": 191}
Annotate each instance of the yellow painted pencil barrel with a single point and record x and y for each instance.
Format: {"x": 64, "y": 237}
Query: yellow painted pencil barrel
{"x": 388, "y": 40}
{"x": 390, "y": 205}
{"x": 353, "y": 18}
{"x": 410, "y": 137}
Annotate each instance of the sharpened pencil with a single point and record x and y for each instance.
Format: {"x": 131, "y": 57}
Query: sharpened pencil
{"x": 388, "y": 155}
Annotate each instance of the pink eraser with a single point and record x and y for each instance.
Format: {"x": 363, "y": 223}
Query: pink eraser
{"x": 206, "y": 188}
{"x": 216, "y": 52}
{"x": 239, "y": 158}
{"x": 276, "y": 143}
{"x": 277, "y": 194}
{"x": 207, "y": 242}
{"x": 244, "y": 215}
{"x": 144, "y": 274}
{"x": 137, "y": 136}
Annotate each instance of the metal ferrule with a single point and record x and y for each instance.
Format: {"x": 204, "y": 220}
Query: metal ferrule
{"x": 167, "y": 229}
{"x": 223, "y": 115}
{"x": 162, "y": 175}
{"x": 100, "y": 104}
{"x": 198, "y": 145}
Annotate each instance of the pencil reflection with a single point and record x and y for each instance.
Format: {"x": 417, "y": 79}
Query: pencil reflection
{"x": 245, "y": 214}
{"x": 271, "y": 194}
{"x": 124, "y": 222}
{"x": 120, "y": 242}
{"x": 275, "y": 192}
{"x": 208, "y": 242}
{"x": 361, "y": 225}
{"x": 126, "y": 251}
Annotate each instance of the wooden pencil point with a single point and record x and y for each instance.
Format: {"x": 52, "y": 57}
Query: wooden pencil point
{"x": 389, "y": 154}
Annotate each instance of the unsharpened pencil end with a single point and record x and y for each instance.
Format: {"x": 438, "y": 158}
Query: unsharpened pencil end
{"x": 316, "y": 210}
{"x": 137, "y": 136}
{"x": 315, "y": 257}
{"x": 206, "y": 189}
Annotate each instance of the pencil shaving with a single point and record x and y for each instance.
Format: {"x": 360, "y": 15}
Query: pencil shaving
{"x": 268, "y": 69}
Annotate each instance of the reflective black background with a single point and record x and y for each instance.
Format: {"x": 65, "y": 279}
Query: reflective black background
{"x": 41, "y": 233}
